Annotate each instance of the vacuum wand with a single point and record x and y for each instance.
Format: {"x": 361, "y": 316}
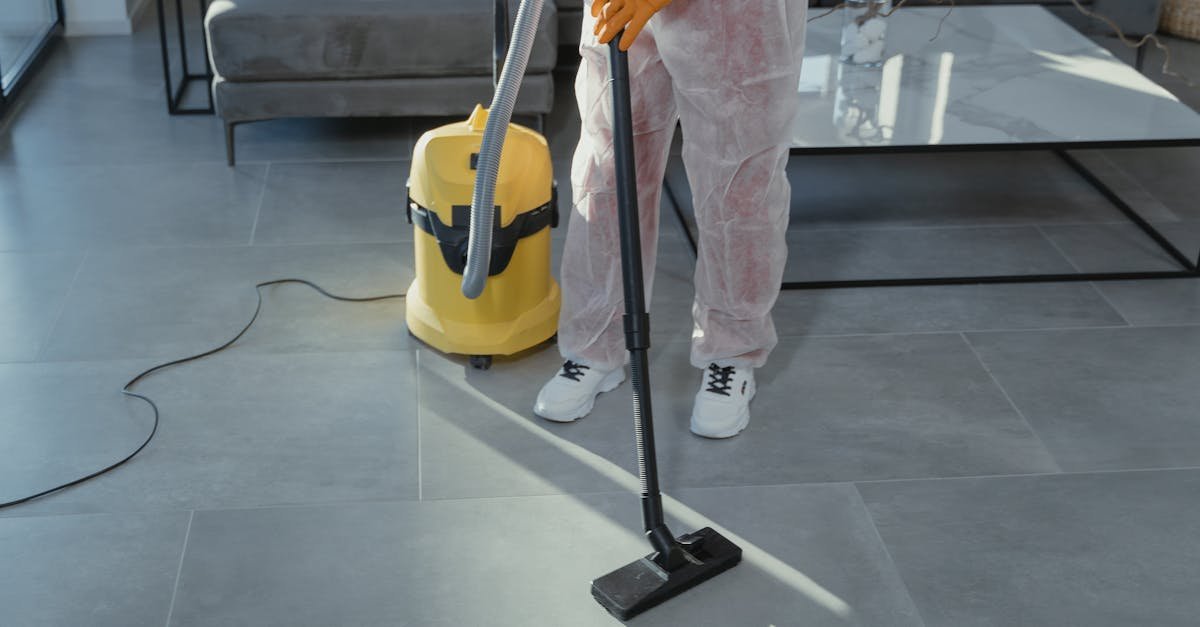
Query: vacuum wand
{"x": 637, "y": 322}
{"x": 676, "y": 564}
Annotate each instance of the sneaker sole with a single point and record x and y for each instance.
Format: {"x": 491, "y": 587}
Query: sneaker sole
{"x": 742, "y": 423}
{"x": 610, "y": 383}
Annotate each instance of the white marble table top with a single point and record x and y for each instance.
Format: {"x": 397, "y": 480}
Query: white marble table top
{"x": 996, "y": 75}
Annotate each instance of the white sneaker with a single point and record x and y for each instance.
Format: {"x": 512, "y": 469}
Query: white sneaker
{"x": 572, "y": 392}
{"x": 722, "y": 406}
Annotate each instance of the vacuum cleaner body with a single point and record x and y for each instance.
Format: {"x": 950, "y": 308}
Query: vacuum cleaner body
{"x": 518, "y": 308}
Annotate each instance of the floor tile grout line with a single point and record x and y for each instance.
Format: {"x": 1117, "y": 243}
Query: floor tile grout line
{"x": 1134, "y": 182}
{"x": 1029, "y": 475}
{"x": 262, "y": 197}
{"x": 1092, "y": 284}
{"x": 1157, "y": 325}
{"x": 795, "y": 226}
{"x": 55, "y": 250}
{"x": 325, "y": 160}
{"x": 1182, "y": 221}
{"x": 676, "y": 238}
{"x": 1097, "y": 288}
{"x": 943, "y": 332}
{"x": 1100, "y": 327}
{"x": 1059, "y": 250}
{"x": 859, "y": 482}
{"x": 996, "y": 381}
{"x": 256, "y": 352}
{"x": 417, "y": 385}
{"x": 179, "y": 572}
{"x": 1169, "y": 266}
{"x": 668, "y": 491}
{"x": 887, "y": 552}
{"x": 211, "y": 246}
{"x": 243, "y": 350}
{"x": 345, "y": 242}
{"x": 62, "y": 308}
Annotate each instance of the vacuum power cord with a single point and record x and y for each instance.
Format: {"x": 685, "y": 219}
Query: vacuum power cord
{"x": 127, "y": 389}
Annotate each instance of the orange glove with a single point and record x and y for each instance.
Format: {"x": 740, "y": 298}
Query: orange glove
{"x": 613, "y": 16}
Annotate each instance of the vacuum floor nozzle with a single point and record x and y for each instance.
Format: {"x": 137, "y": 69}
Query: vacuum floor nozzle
{"x": 641, "y": 585}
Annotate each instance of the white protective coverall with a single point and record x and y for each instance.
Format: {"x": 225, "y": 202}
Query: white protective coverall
{"x": 728, "y": 71}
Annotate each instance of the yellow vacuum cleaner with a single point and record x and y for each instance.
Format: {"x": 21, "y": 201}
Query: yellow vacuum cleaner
{"x": 483, "y": 285}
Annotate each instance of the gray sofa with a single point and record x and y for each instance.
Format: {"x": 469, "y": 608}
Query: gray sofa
{"x": 570, "y": 21}
{"x": 361, "y": 58}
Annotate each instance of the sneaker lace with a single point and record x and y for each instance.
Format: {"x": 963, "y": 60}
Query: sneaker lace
{"x": 572, "y": 370}
{"x": 719, "y": 379}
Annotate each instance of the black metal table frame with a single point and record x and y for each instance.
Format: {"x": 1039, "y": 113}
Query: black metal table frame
{"x": 175, "y": 90}
{"x": 1188, "y": 267}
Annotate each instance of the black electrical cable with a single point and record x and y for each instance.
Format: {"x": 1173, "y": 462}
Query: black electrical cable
{"x": 127, "y": 388}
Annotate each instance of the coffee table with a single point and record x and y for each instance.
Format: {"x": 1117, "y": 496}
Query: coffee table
{"x": 996, "y": 78}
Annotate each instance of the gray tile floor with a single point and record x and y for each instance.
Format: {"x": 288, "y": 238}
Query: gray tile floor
{"x": 977, "y": 455}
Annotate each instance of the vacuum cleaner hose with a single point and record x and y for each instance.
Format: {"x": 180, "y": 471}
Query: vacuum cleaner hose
{"x": 479, "y": 244}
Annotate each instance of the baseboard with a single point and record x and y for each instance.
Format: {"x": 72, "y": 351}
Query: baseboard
{"x": 94, "y": 27}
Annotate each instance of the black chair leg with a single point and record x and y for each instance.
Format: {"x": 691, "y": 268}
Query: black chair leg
{"x": 229, "y": 144}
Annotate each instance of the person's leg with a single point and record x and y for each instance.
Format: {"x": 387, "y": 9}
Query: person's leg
{"x": 590, "y": 330}
{"x": 735, "y": 67}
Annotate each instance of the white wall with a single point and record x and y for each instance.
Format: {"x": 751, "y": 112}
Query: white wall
{"x": 102, "y": 17}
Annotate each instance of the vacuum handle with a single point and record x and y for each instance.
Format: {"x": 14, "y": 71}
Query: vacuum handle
{"x": 637, "y": 322}
{"x": 637, "y": 336}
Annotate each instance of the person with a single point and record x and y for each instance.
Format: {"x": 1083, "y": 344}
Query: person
{"x": 728, "y": 72}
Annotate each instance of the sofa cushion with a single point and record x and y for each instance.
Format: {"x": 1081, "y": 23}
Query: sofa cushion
{"x": 274, "y": 40}
{"x": 570, "y": 21}
{"x": 450, "y": 95}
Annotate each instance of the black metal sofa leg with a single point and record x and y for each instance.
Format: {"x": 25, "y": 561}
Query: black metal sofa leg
{"x": 230, "y": 157}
